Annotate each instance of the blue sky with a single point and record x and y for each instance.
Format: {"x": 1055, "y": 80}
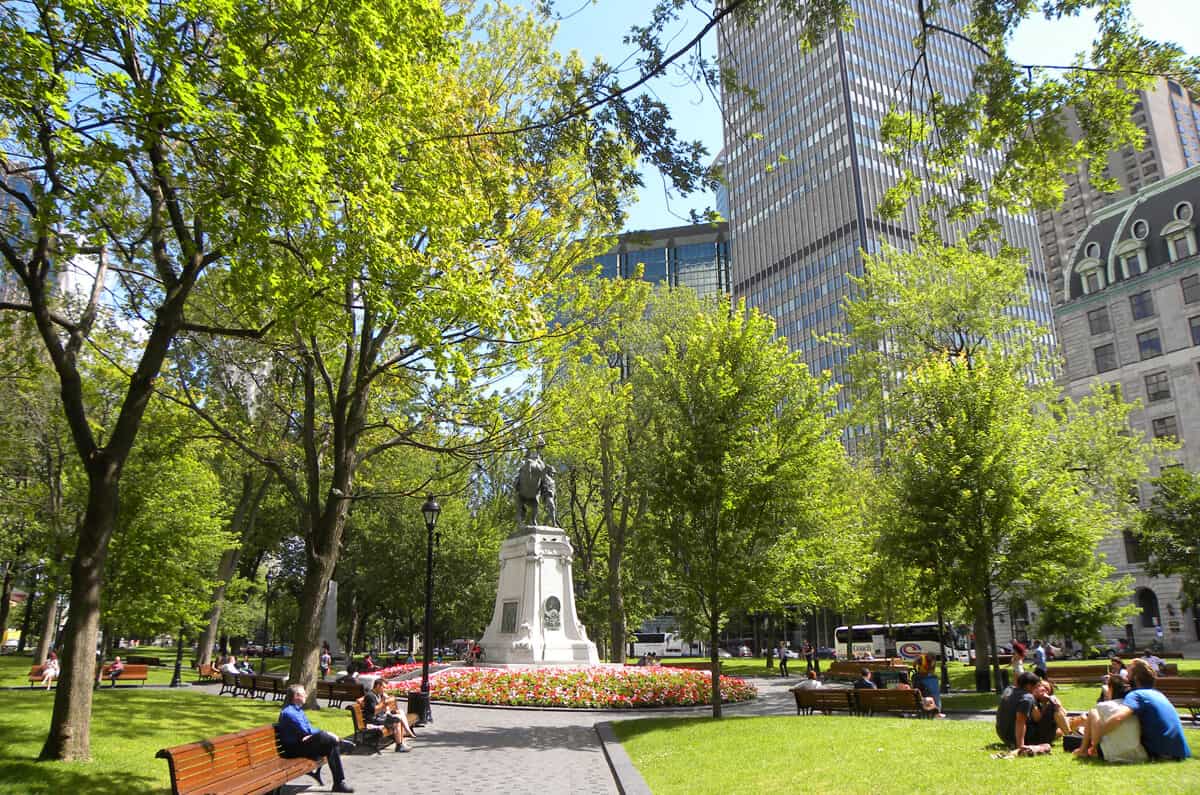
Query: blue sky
{"x": 596, "y": 27}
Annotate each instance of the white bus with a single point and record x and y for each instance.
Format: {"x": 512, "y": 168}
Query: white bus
{"x": 908, "y": 641}
{"x": 662, "y": 644}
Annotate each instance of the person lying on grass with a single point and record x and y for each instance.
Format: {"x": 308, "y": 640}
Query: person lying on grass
{"x": 1111, "y": 723}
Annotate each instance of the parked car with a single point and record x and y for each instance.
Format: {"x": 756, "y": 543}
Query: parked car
{"x": 723, "y": 653}
{"x": 399, "y": 651}
{"x": 745, "y": 651}
{"x": 826, "y": 653}
{"x": 791, "y": 654}
{"x": 251, "y": 650}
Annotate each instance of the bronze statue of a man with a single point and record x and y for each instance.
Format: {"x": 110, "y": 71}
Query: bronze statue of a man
{"x": 534, "y": 484}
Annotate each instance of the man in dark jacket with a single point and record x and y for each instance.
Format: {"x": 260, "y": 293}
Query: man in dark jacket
{"x": 864, "y": 680}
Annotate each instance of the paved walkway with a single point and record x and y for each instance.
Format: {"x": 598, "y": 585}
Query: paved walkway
{"x": 516, "y": 751}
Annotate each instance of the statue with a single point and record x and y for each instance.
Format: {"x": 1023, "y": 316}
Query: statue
{"x": 534, "y": 484}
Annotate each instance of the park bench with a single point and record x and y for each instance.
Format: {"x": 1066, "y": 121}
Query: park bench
{"x": 337, "y": 693}
{"x": 1183, "y": 692}
{"x": 1088, "y": 674}
{"x": 249, "y": 761}
{"x": 691, "y": 666}
{"x": 229, "y": 684}
{"x": 266, "y": 685}
{"x": 896, "y": 702}
{"x": 132, "y": 673}
{"x": 208, "y": 673}
{"x": 140, "y": 659}
{"x": 375, "y": 734}
{"x": 35, "y": 676}
{"x": 245, "y": 685}
{"x": 822, "y": 699}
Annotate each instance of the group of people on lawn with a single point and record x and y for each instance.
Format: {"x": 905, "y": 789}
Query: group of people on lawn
{"x": 1132, "y": 721}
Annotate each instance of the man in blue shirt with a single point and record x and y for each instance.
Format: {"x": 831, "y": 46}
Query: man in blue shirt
{"x": 1039, "y": 658}
{"x": 1162, "y": 731}
{"x": 300, "y": 739}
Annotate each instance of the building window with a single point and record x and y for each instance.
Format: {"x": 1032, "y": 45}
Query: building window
{"x": 1142, "y": 305}
{"x": 1106, "y": 358}
{"x": 1191, "y": 288}
{"x": 1141, "y": 229}
{"x": 1091, "y": 282}
{"x": 1133, "y": 549}
{"x": 1149, "y": 344}
{"x": 1098, "y": 320}
{"x": 1194, "y": 322}
{"x": 1132, "y": 264}
{"x": 1180, "y": 246}
{"x": 1158, "y": 386}
{"x": 1165, "y": 428}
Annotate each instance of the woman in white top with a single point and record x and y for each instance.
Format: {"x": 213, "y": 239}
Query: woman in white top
{"x": 50, "y": 670}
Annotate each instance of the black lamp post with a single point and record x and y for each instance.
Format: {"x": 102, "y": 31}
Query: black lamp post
{"x": 262, "y": 657}
{"x": 430, "y": 511}
{"x": 177, "y": 678}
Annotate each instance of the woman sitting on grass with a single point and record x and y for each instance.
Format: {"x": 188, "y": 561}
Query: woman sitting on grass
{"x": 1113, "y": 726}
{"x": 50, "y": 670}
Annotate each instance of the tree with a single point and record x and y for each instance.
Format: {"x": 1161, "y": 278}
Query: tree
{"x": 999, "y": 484}
{"x": 740, "y": 451}
{"x": 200, "y": 130}
{"x": 437, "y": 262}
{"x": 1170, "y": 529}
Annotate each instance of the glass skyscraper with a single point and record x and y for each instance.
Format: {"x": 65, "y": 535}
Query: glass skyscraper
{"x": 695, "y": 256}
{"x": 806, "y": 168}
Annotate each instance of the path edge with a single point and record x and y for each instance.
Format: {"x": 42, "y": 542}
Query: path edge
{"x": 627, "y": 778}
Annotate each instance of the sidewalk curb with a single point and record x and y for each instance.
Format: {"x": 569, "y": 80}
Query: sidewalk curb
{"x": 627, "y": 778}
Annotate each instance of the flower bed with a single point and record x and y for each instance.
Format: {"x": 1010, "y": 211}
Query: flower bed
{"x": 395, "y": 670}
{"x": 581, "y": 688}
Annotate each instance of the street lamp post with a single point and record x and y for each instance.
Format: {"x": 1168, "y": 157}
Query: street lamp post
{"x": 430, "y": 511}
{"x": 262, "y": 657}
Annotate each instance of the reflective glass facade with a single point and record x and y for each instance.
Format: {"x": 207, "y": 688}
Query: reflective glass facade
{"x": 806, "y": 170}
{"x": 688, "y": 256}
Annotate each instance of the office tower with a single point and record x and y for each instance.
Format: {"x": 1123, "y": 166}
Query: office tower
{"x": 1170, "y": 117}
{"x": 804, "y": 193}
{"x": 1129, "y": 314}
{"x": 695, "y": 256}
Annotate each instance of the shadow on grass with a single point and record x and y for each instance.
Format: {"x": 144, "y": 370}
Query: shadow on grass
{"x": 42, "y": 777}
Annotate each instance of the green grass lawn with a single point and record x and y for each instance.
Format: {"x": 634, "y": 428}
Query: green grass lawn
{"x": 128, "y": 728}
{"x": 817, "y": 754}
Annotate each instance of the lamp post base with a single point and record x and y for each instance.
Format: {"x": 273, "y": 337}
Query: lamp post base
{"x": 418, "y": 703}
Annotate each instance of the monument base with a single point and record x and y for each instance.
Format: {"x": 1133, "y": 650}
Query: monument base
{"x": 534, "y": 621}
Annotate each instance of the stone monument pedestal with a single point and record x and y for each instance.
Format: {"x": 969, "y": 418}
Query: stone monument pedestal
{"x": 534, "y": 621}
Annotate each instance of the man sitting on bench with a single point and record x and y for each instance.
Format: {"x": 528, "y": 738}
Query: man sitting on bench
{"x": 375, "y": 712}
{"x": 114, "y": 670}
{"x": 301, "y": 740}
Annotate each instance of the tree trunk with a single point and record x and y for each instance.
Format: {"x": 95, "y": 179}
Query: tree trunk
{"x": 321, "y": 554}
{"x": 983, "y": 642}
{"x": 27, "y": 617}
{"x": 714, "y": 659}
{"x": 991, "y": 631}
{"x": 225, "y": 572}
{"x": 616, "y": 601}
{"x": 49, "y": 622}
{"x": 70, "y": 723}
{"x": 6, "y": 589}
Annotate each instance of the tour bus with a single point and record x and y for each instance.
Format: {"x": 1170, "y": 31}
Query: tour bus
{"x": 891, "y": 640}
{"x": 662, "y": 644}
